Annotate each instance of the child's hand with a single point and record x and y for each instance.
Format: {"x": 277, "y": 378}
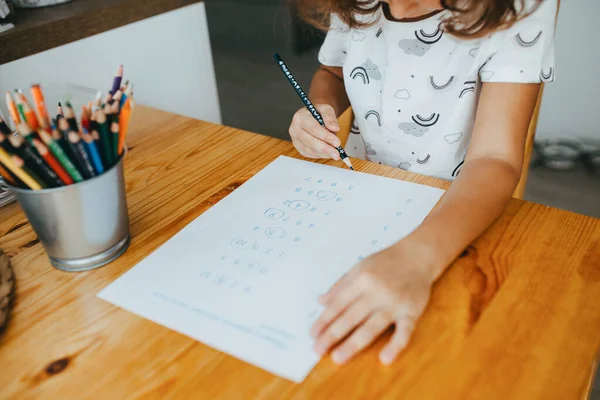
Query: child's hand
{"x": 389, "y": 288}
{"x": 310, "y": 138}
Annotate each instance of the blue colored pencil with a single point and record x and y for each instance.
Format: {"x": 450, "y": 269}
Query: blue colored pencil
{"x": 90, "y": 146}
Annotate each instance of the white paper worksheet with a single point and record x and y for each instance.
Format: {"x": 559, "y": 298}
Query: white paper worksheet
{"x": 244, "y": 277}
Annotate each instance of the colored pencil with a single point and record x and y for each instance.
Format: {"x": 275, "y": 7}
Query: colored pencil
{"x": 49, "y": 152}
{"x": 12, "y": 109}
{"x": 12, "y": 166}
{"x": 34, "y": 160}
{"x": 71, "y": 118}
{"x": 8, "y": 176}
{"x": 59, "y": 138}
{"x": 309, "y": 105}
{"x": 40, "y": 104}
{"x": 96, "y": 136}
{"x": 27, "y": 113}
{"x": 105, "y": 138}
{"x": 4, "y": 127}
{"x": 27, "y": 133}
{"x": 79, "y": 148}
{"x": 124, "y": 89}
{"x": 124, "y": 119}
{"x": 59, "y": 152}
{"x": 92, "y": 150}
{"x": 116, "y": 104}
{"x": 6, "y": 144}
{"x": 90, "y": 145}
{"x": 65, "y": 178}
{"x": 114, "y": 130}
{"x": 77, "y": 152}
{"x": 117, "y": 80}
{"x": 20, "y": 163}
{"x": 64, "y": 133}
{"x": 115, "y": 111}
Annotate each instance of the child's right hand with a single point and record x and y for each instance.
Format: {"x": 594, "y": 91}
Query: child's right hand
{"x": 310, "y": 138}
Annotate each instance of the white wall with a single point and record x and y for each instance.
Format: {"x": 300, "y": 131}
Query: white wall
{"x": 571, "y": 105}
{"x": 168, "y": 57}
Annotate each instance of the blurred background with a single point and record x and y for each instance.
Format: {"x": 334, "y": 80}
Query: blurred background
{"x": 253, "y": 95}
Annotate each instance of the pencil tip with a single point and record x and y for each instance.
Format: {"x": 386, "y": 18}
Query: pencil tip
{"x": 348, "y": 163}
{"x": 59, "y": 104}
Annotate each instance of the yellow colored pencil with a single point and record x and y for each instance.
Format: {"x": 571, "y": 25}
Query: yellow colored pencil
{"x": 6, "y": 159}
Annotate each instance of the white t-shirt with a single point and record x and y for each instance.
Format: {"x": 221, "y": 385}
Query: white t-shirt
{"x": 414, "y": 88}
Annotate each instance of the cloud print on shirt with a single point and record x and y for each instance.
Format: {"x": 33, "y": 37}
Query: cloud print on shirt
{"x": 411, "y": 128}
{"x": 486, "y": 75}
{"x": 402, "y": 94}
{"x": 453, "y": 138}
{"x": 414, "y": 47}
{"x": 370, "y": 150}
{"x": 372, "y": 70}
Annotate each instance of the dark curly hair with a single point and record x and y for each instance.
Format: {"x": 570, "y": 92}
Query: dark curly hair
{"x": 468, "y": 19}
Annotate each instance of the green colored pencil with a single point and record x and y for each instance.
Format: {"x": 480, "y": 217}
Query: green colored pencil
{"x": 61, "y": 156}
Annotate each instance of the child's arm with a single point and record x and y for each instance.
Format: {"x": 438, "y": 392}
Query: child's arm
{"x": 329, "y": 96}
{"x": 327, "y": 87}
{"x": 393, "y": 286}
{"x": 489, "y": 176}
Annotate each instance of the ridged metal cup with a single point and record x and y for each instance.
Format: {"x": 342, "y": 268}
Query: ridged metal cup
{"x": 81, "y": 226}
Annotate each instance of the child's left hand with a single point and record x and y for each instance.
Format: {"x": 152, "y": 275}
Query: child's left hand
{"x": 391, "y": 287}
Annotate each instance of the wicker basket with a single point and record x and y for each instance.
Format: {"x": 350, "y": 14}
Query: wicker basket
{"x": 37, "y": 3}
{"x": 7, "y": 290}
{"x": 5, "y": 195}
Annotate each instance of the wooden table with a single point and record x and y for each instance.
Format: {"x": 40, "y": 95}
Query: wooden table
{"x": 516, "y": 317}
{"x": 41, "y": 29}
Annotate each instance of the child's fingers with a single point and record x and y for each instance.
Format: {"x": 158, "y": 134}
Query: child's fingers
{"x": 402, "y": 333}
{"x": 316, "y": 130}
{"x": 365, "y": 334}
{"x": 328, "y": 114}
{"x": 305, "y": 151}
{"x": 320, "y": 147}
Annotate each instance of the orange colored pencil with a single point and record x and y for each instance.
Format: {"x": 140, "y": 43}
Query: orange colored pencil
{"x": 40, "y": 104}
{"x": 124, "y": 118}
{"x": 27, "y": 112}
{"x": 52, "y": 162}
{"x": 12, "y": 109}
{"x": 6, "y": 176}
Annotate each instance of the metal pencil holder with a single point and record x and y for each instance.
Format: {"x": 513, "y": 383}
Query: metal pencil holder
{"x": 81, "y": 226}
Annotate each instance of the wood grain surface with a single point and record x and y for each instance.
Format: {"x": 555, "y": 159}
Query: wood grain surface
{"x": 516, "y": 317}
{"x": 41, "y": 29}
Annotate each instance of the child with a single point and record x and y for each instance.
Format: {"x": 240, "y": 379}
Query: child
{"x": 443, "y": 89}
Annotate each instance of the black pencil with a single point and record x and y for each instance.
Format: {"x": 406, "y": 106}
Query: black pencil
{"x": 4, "y": 127}
{"x": 76, "y": 150}
{"x": 82, "y": 155}
{"x": 105, "y": 138}
{"x": 33, "y": 178}
{"x": 309, "y": 105}
{"x": 71, "y": 119}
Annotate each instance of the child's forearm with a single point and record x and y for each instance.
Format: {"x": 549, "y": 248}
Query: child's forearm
{"x": 327, "y": 87}
{"x": 473, "y": 202}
